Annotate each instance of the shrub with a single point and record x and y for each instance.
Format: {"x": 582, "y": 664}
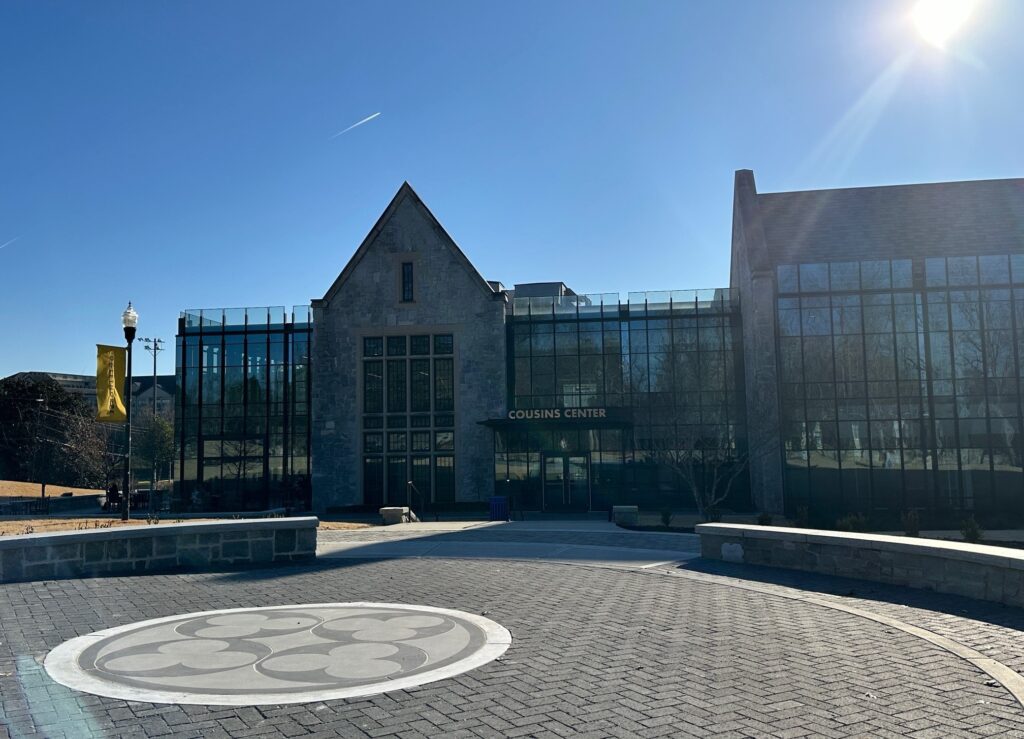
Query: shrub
{"x": 712, "y": 514}
{"x": 971, "y": 531}
{"x": 764, "y": 519}
{"x": 852, "y": 522}
{"x": 911, "y": 522}
{"x": 666, "y": 517}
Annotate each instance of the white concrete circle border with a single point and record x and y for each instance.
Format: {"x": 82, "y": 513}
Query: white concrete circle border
{"x": 62, "y": 665}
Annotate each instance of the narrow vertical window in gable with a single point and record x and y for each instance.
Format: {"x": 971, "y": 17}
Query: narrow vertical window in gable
{"x": 407, "y": 282}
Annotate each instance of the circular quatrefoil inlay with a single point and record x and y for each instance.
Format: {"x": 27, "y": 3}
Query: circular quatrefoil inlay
{"x": 284, "y": 654}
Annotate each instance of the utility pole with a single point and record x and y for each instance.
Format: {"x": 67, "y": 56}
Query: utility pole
{"x": 154, "y": 347}
{"x": 35, "y": 451}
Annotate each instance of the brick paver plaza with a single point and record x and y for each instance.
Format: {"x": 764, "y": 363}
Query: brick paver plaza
{"x": 600, "y": 648}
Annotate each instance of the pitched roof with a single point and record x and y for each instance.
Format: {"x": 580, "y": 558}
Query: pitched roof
{"x": 143, "y": 383}
{"x": 945, "y": 218}
{"x": 406, "y": 191}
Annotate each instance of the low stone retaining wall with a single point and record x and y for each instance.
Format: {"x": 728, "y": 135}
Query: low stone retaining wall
{"x": 207, "y": 545}
{"x": 973, "y": 570}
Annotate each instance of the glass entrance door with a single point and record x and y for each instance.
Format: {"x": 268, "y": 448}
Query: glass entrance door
{"x": 554, "y": 483}
{"x": 577, "y": 481}
{"x": 566, "y": 483}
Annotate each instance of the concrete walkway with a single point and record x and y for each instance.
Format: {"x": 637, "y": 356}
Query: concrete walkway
{"x": 427, "y": 527}
{"x": 567, "y": 542}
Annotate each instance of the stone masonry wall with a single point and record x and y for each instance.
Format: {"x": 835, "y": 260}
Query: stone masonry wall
{"x": 160, "y": 548}
{"x": 753, "y": 276}
{"x": 975, "y": 571}
{"x": 449, "y": 298}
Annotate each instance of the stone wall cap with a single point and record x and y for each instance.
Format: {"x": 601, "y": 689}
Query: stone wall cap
{"x": 955, "y": 550}
{"x": 55, "y": 538}
{"x": 747, "y": 531}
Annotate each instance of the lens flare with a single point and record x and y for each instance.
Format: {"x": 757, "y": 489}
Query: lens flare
{"x": 937, "y": 21}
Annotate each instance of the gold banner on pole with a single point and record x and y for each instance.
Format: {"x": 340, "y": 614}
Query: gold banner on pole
{"x": 110, "y": 374}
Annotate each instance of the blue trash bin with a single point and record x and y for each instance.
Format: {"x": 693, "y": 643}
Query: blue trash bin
{"x": 499, "y": 508}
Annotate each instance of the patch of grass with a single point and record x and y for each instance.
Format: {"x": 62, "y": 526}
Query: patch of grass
{"x": 18, "y": 526}
{"x": 16, "y": 489}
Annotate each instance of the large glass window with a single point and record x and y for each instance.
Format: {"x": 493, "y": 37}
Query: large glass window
{"x": 243, "y": 438}
{"x": 396, "y": 386}
{"x": 917, "y": 377}
{"x": 410, "y": 393}
{"x": 444, "y": 478}
{"x": 443, "y": 344}
{"x": 397, "y": 346}
{"x": 397, "y": 491}
{"x": 373, "y": 386}
{"x": 419, "y": 372}
{"x": 444, "y": 385}
{"x": 419, "y": 345}
{"x": 813, "y": 277}
{"x": 788, "y": 278}
{"x": 667, "y": 362}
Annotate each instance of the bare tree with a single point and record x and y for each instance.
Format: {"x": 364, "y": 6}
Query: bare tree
{"x": 708, "y": 467}
{"x": 155, "y": 444}
{"x": 237, "y": 453}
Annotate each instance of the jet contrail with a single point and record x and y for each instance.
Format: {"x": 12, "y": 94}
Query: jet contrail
{"x": 10, "y": 242}
{"x": 365, "y": 120}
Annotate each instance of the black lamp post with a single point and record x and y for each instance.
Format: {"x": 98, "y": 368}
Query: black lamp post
{"x": 129, "y": 320}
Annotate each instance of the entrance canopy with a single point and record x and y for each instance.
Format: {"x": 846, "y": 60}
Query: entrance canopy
{"x": 561, "y": 459}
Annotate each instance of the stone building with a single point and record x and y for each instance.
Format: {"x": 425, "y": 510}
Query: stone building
{"x": 408, "y": 316}
{"x": 866, "y": 358}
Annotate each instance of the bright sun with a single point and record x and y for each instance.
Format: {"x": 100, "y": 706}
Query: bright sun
{"x": 938, "y": 20}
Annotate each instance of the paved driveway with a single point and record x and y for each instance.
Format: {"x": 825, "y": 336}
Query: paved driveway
{"x": 601, "y": 646}
{"x": 585, "y": 542}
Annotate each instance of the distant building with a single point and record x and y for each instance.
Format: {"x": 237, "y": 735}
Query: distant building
{"x": 82, "y": 386}
{"x": 142, "y": 395}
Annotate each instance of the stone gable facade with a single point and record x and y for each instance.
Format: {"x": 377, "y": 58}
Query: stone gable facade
{"x": 450, "y": 297}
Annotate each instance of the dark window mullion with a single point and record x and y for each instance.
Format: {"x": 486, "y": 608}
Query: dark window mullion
{"x": 1016, "y": 379}
{"x": 899, "y": 395}
{"x": 835, "y": 398}
{"x": 982, "y": 328}
{"x": 956, "y": 396}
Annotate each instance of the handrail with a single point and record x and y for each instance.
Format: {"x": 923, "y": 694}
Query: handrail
{"x": 423, "y": 501}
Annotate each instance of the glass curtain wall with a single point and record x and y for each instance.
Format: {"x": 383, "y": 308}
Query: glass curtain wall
{"x": 242, "y": 420}
{"x": 900, "y": 386}
{"x": 669, "y": 358}
{"x": 408, "y": 419}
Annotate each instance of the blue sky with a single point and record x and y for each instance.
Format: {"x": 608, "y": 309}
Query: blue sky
{"x": 180, "y": 154}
